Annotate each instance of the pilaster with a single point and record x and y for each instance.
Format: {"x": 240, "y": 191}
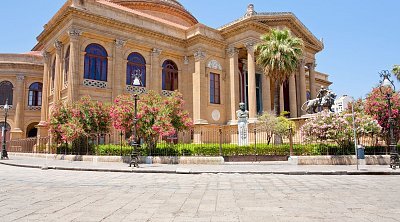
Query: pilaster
{"x": 73, "y": 78}
{"x": 199, "y": 87}
{"x": 156, "y": 72}
{"x": 17, "y": 132}
{"x": 42, "y": 127}
{"x": 59, "y": 46}
{"x": 119, "y": 81}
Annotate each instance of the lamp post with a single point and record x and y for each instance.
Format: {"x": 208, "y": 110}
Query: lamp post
{"x": 387, "y": 88}
{"x": 135, "y": 78}
{"x": 4, "y": 151}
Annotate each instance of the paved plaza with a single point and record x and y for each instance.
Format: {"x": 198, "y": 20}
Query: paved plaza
{"x": 28, "y": 194}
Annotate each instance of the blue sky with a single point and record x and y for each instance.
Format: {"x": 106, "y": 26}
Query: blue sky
{"x": 362, "y": 37}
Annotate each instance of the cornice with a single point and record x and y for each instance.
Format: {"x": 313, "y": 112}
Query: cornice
{"x": 22, "y": 66}
{"x": 198, "y": 39}
{"x": 244, "y": 26}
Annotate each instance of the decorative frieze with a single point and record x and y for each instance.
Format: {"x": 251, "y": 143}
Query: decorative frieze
{"x": 136, "y": 90}
{"x": 95, "y": 83}
{"x": 214, "y": 64}
{"x": 199, "y": 55}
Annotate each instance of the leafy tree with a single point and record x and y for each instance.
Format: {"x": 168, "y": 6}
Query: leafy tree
{"x": 376, "y": 105}
{"x": 69, "y": 122}
{"x": 396, "y": 71}
{"x": 273, "y": 125}
{"x": 326, "y": 126}
{"x": 279, "y": 54}
{"x": 157, "y": 116}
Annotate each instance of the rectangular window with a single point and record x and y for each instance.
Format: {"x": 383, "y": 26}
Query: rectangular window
{"x": 214, "y": 88}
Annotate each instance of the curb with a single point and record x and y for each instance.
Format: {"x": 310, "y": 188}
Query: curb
{"x": 188, "y": 171}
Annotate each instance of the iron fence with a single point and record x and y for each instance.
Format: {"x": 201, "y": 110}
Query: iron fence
{"x": 205, "y": 141}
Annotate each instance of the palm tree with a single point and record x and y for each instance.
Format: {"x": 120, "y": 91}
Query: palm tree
{"x": 279, "y": 54}
{"x": 396, "y": 71}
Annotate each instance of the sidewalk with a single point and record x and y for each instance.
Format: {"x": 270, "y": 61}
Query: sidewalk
{"x": 227, "y": 168}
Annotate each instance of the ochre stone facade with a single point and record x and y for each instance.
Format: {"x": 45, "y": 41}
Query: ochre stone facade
{"x": 86, "y": 49}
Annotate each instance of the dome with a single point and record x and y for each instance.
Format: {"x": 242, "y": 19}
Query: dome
{"x": 170, "y": 10}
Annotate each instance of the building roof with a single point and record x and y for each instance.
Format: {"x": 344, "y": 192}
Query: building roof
{"x": 170, "y": 10}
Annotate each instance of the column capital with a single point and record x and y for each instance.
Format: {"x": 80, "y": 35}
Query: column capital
{"x": 20, "y": 77}
{"x": 312, "y": 65}
{"x": 58, "y": 45}
{"x": 232, "y": 51}
{"x": 119, "y": 43}
{"x": 46, "y": 56}
{"x": 199, "y": 55}
{"x": 186, "y": 60}
{"x": 74, "y": 34}
{"x": 156, "y": 52}
{"x": 250, "y": 46}
{"x": 302, "y": 63}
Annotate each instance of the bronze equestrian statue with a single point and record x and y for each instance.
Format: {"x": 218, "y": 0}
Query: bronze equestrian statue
{"x": 325, "y": 98}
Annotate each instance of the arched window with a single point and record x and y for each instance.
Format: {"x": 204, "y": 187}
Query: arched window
{"x": 53, "y": 73}
{"x": 35, "y": 94}
{"x": 6, "y": 92}
{"x": 169, "y": 76}
{"x": 96, "y": 63}
{"x": 66, "y": 65}
{"x": 136, "y": 62}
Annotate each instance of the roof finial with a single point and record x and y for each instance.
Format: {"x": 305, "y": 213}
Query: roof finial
{"x": 250, "y": 11}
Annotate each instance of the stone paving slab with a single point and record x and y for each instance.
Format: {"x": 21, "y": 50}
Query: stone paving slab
{"x": 228, "y": 168}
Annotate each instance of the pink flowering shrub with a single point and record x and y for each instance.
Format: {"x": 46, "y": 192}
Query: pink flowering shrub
{"x": 327, "y": 126}
{"x": 68, "y": 122}
{"x": 376, "y": 105}
{"x": 157, "y": 116}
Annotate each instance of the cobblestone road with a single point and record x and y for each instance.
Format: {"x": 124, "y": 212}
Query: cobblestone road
{"x": 36, "y": 195}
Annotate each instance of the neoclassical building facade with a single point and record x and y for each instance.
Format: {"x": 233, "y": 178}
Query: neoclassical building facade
{"x": 96, "y": 47}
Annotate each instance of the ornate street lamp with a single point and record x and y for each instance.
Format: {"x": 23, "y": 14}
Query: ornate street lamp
{"x": 4, "y": 151}
{"x": 135, "y": 78}
{"x": 387, "y": 88}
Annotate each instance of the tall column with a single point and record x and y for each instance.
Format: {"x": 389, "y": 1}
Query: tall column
{"x": 199, "y": 87}
{"x": 251, "y": 66}
{"x": 292, "y": 96}
{"x": 19, "y": 107}
{"x": 281, "y": 99}
{"x": 73, "y": 78}
{"x": 233, "y": 82}
{"x": 45, "y": 92}
{"x": 303, "y": 93}
{"x": 119, "y": 81}
{"x": 311, "y": 68}
{"x": 156, "y": 75}
{"x": 266, "y": 93}
{"x": 59, "y": 46}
